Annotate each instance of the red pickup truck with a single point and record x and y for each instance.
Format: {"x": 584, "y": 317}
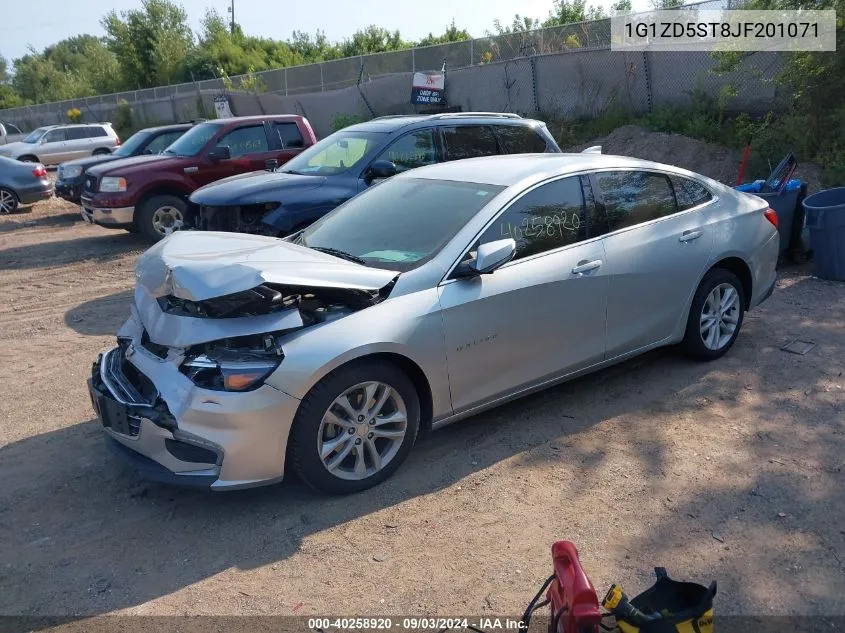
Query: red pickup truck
{"x": 150, "y": 193}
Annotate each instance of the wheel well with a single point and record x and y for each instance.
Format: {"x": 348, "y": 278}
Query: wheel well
{"x": 102, "y": 150}
{"x": 741, "y": 270}
{"x": 417, "y": 376}
{"x": 26, "y": 156}
{"x": 163, "y": 191}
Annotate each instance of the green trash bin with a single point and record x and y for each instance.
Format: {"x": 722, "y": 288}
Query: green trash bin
{"x": 825, "y": 213}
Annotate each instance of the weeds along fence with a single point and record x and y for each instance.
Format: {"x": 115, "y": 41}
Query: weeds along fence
{"x": 563, "y": 72}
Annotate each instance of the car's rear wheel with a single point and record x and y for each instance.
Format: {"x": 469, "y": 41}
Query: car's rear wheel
{"x": 101, "y": 151}
{"x": 355, "y": 428}
{"x": 159, "y": 216}
{"x": 715, "y": 316}
{"x": 28, "y": 159}
{"x": 8, "y": 201}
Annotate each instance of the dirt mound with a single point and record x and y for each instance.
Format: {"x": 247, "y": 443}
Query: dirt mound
{"x": 708, "y": 159}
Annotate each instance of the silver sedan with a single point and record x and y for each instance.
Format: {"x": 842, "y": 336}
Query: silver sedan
{"x": 430, "y": 297}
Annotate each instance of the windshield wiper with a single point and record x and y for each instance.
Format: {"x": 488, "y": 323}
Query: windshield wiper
{"x": 292, "y": 171}
{"x": 339, "y": 253}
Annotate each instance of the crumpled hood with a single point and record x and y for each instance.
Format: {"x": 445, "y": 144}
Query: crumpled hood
{"x": 199, "y": 265}
{"x": 253, "y": 187}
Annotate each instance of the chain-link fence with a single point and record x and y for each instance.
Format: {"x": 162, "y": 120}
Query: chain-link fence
{"x": 564, "y": 71}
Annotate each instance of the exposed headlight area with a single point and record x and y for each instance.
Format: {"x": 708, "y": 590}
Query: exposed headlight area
{"x": 113, "y": 184}
{"x": 235, "y": 364}
{"x": 70, "y": 171}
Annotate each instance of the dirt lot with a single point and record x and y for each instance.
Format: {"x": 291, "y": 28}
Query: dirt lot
{"x": 728, "y": 471}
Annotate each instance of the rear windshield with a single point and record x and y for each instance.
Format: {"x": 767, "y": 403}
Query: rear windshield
{"x": 192, "y": 141}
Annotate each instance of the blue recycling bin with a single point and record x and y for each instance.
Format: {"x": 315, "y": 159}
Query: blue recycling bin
{"x": 825, "y": 212}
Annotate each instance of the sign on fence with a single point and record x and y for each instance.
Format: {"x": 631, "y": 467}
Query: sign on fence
{"x": 221, "y": 107}
{"x": 429, "y": 88}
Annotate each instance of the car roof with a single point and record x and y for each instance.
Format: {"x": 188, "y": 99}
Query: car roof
{"x": 512, "y": 169}
{"x": 166, "y": 128}
{"x": 401, "y": 121}
{"x": 259, "y": 117}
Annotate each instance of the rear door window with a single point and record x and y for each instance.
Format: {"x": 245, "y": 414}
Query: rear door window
{"x": 468, "y": 141}
{"x": 245, "y": 140}
{"x": 289, "y": 135}
{"x": 12, "y": 129}
{"x": 689, "y": 193}
{"x": 519, "y": 139}
{"x": 76, "y": 133}
{"x": 634, "y": 197}
{"x": 412, "y": 150}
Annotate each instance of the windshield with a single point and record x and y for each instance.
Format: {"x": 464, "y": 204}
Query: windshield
{"x": 132, "y": 144}
{"x": 35, "y": 135}
{"x": 192, "y": 141}
{"x": 399, "y": 224}
{"x": 334, "y": 154}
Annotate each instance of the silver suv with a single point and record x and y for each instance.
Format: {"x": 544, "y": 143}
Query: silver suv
{"x": 54, "y": 144}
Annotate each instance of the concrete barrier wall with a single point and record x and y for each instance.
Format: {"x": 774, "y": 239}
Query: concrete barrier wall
{"x": 575, "y": 83}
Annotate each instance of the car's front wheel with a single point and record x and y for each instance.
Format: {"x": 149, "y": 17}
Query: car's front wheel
{"x": 159, "y": 216}
{"x": 715, "y": 316}
{"x": 355, "y": 427}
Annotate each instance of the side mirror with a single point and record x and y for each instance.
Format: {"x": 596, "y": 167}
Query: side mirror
{"x": 488, "y": 258}
{"x": 219, "y": 153}
{"x": 42, "y": 140}
{"x": 271, "y": 164}
{"x": 381, "y": 169}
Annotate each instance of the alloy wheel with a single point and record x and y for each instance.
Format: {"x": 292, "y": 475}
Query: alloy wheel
{"x": 362, "y": 430}
{"x": 719, "y": 316}
{"x": 8, "y": 202}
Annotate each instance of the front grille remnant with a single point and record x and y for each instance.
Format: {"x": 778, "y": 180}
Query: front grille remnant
{"x": 125, "y": 382}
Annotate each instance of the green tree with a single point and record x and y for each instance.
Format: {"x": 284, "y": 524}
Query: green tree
{"x": 452, "y": 34}
{"x": 152, "y": 44}
{"x": 661, "y": 5}
{"x": 621, "y": 7}
{"x": 373, "y": 39}
{"x": 4, "y": 70}
{"x": 38, "y": 79}
{"x": 568, "y": 12}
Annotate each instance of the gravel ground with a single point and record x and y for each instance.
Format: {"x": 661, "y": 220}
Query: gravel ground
{"x": 729, "y": 471}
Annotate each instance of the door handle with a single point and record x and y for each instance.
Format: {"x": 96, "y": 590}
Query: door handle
{"x": 585, "y": 266}
{"x": 689, "y": 236}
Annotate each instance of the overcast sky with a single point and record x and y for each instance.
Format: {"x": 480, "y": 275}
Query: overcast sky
{"x": 45, "y": 22}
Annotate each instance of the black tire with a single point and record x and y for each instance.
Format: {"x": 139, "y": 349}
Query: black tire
{"x": 28, "y": 159}
{"x": 693, "y": 343}
{"x": 302, "y": 444}
{"x": 10, "y": 201}
{"x": 146, "y": 213}
{"x": 101, "y": 151}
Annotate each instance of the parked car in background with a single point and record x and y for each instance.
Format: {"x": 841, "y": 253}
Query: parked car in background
{"x": 71, "y": 175}
{"x": 349, "y": 161}
{"x": 437, "y": 294}
{"x": 56, "y": 144}
{"x": 150, "y": 193}
{"x": 10, "y": 133}
{"x": 22, "y": 184}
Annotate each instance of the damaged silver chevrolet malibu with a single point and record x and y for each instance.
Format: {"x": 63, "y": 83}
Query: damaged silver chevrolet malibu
{"x": 431, "y": 296}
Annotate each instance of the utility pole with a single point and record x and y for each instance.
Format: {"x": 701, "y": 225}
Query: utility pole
{"x": 232, "y": 12}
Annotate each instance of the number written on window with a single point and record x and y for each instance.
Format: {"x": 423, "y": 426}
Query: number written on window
{"x": 545, "y": 218}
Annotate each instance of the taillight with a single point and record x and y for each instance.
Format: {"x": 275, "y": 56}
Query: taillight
{"x": 39, "y": 172}
{"x": 116, "y": 141}
{"x": 772, "y": 216}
